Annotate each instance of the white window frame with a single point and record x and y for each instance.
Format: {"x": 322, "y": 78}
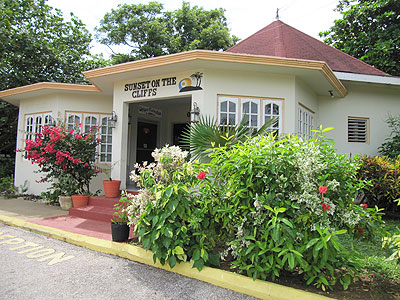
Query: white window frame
{"x": 277, "y": 129}
{"x": 99, "y": 117}
{"x": 305, "y": 122}
{"x": 36, "y": 121}
{"x": 229, "y": 100}
{"x": 251, "y": 113}
{"x": 261, "y": 102}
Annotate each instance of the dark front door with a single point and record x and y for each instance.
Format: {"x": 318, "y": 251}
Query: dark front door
{"x": 177, "y": 134}
{"x": 146, "y": 141}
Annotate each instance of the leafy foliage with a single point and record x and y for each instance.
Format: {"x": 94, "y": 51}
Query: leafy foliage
{"x": 383, "y": 175}
{"x": 37, "y": 45}
{"x": 273, "y": 205}
{"x": 171, "y": 223}
{"x": 266, "y": 193}
{"x": 370, "y": 31}
{"x": 149, "y": 31}
{"x": 204, "y": 136}
{"x": 120, "y": 215}
{"x": 391, "y": 147}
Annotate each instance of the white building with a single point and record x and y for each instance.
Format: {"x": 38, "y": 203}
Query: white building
{"x": 278, "y": 71}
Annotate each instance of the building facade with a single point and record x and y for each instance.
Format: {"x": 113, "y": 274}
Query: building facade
{"x": 151, "y": 101}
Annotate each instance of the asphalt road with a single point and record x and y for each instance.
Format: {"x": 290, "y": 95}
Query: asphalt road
{"x": 36, "y": 267}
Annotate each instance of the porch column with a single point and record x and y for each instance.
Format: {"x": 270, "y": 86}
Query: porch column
{"x": 120, "y": 143}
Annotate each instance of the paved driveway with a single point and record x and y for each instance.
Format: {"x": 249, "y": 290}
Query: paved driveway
{"x": 36, "y": 267}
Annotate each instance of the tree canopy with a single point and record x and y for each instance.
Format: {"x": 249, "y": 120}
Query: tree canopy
{"x": 370, "y": 31}
{"x": 36, "y": 44}
{"x": 148, "y": 31}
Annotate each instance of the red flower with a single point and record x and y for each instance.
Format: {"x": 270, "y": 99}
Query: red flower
{"x": 201, "y": 175}
{"x": 322, "y": 189}
{"x": 325, "y": 206}
{"x": 78, "y": 136}
{"x": 360, "y": 230}
{"x": 364, "y": 206}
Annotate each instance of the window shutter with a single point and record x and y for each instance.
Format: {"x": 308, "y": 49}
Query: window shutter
{"x": 357, "y": 130}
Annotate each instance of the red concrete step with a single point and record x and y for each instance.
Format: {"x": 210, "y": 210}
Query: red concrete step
{"x": 97, "y": 213}
{"x": 86, "y": 227}
{"x": 103, "y": 201}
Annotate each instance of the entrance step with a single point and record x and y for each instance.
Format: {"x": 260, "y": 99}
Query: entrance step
{"x": 100, "y": 208}
{"x": 97, "y": 213}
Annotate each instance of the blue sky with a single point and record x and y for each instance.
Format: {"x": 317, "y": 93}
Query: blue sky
{"x": 244, "y": 17}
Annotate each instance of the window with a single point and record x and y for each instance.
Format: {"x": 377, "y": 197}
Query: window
{"x": 256, "y": 111}
{"x": 306, "y": 122}
{"x": 34, "y": 124}
{"x": 272, "y": 109}
{"x": 106, "y": 140}
{"x": 357, "y": 130}
{"x": 86, "y": 121}
{"x": 250, "y": 111}
{"x": 228, "y": 111}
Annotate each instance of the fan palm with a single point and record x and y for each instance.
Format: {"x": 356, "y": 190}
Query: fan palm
{"x": 202, "y": 137}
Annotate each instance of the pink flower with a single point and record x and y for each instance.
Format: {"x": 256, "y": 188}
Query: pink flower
{"x": 201, "y": 175}
{"x": 325, "y": 206}
{"x": 78, "y": 136}
{"x": 322, "y": 189}
{"x": 364, "y": 206}
{"x": 86, "y": 164}
{"x": 71, "y": 131}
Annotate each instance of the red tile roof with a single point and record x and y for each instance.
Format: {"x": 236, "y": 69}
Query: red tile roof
{"x": 280, "y": 39}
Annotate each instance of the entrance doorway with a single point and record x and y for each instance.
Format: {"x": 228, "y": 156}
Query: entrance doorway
{"x": 146, "y": 141}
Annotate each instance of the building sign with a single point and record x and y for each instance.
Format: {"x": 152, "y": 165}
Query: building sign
{"x": 150, "y": 88}
{"x": 150, "y": 111}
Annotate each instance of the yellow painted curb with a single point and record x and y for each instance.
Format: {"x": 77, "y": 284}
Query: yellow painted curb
{"x": 239, "y": 283}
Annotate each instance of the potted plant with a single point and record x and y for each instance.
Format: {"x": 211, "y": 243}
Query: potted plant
{"x": 58, "y": 151}
{"x": 119, "y": 221}
{"x": 111, "y": 187}
{"x": 66, "y": 187}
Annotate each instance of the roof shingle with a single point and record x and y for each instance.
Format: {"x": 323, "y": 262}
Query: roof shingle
{"x": 282, "y": 40}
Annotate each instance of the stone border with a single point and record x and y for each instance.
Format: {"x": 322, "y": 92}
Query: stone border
{"x": 239, "y": 283}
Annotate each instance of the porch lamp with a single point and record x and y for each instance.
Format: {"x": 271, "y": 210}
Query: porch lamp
{"x": 112, "y": 120}
{"x": 194, "y": 113}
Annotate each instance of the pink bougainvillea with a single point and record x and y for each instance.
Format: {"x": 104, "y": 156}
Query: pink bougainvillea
{"x": 58, "y": 152}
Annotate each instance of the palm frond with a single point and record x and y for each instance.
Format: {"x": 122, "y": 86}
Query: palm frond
{"x": 202, "y": 137}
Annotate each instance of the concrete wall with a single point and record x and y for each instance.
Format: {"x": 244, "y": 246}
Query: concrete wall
{"x": 369, "y": 101}
{"x": 57, "y": 104}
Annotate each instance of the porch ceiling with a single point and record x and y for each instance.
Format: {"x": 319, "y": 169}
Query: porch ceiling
{"x": 316, "y": 74}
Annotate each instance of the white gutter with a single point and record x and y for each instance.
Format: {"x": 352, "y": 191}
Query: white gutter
{"x": 368, "y": 78}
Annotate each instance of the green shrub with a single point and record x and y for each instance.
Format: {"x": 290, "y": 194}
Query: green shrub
{"x": 391, "y": 147}
{"x": 384, "y": 177}
{"x": 167, "y": 219}
{"x": 272, "y": 205}
{"x": 7, "y": 188}
{"x": 265, "y": 194}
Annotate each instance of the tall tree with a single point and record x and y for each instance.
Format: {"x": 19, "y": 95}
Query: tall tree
{"x": 370, "y": 31}
{"x": 36, "y": 44}
{"x": 147, "y": 30}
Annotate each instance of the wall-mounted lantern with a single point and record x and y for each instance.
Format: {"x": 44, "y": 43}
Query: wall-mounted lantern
{"x": 112, "y": 120}
{"x": 194, "y": 114}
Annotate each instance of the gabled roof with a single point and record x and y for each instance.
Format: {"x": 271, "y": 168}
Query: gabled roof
{"x": 282, "y": 40}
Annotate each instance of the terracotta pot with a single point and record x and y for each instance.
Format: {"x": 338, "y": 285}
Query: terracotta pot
{"x": 80, "y": 200}
{"x": 111, "y": 188}
{"x": 65, "y": 202}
